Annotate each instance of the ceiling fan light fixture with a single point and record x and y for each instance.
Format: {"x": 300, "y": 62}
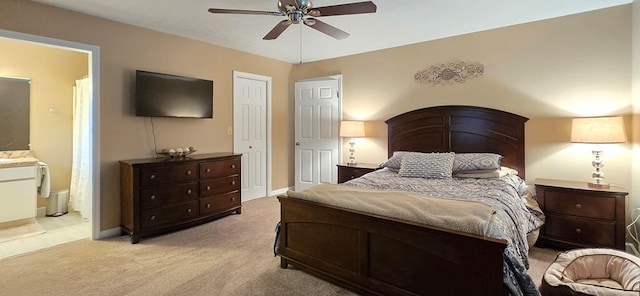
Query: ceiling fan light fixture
{"x": 296, "y": 16}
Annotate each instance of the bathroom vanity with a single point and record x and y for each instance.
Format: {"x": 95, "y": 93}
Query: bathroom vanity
{"x": 18, "y": 189}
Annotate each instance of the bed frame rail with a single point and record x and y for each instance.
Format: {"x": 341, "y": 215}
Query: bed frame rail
{"x": 375, "y": 255}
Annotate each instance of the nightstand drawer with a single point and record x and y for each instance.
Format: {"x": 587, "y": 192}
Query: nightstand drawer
{"x": 581, "y": 231}
{"x": 347, "y": 172}
{"x": 581, "y": 205}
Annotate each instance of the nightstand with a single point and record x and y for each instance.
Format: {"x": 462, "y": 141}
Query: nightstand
{"x": 580, "y": 216}
{"x": 347, "y": 172}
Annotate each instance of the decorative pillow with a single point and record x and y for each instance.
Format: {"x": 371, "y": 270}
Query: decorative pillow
{"x": 395, "y": 161}
{"x": 480, "y": 174}
{"x": 486, "y": 174}
{"x": 427, "y": 165}
{"x": 476, "y": 161}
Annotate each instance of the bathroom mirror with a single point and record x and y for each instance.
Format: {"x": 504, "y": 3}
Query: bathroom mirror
{"x": 14, "y": 113}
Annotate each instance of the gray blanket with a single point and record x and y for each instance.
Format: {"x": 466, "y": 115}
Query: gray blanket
{"x": 512, "y": 221}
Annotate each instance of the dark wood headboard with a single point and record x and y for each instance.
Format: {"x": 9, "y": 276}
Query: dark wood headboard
{"x": 460, "y": 129}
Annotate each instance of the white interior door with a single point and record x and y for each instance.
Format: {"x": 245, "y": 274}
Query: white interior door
{"x": 317, "y": 121}
{"x": 250, "y": 121}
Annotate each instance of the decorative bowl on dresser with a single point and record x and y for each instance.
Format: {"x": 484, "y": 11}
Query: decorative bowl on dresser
{"x": 166, "y": 194}
{"x": 347, "y": 172}
{"x": 579, "y": 216}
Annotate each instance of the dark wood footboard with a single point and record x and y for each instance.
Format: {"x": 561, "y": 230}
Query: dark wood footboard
{"x": 375, "y": 255}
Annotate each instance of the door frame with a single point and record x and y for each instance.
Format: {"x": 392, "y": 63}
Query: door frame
{"x": 94, "y": 72}
{"x": 268, "y": 119}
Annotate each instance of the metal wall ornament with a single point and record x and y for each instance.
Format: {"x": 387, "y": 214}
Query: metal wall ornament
{"x": 444, "y": 74}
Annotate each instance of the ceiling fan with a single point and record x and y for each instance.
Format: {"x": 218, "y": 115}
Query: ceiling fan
{"x": 298, "y": 11}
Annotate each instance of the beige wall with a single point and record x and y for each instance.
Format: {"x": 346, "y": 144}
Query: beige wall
{"x": 548, "y": 71}
{"x": 635, "y": 174}
{"x": 53, "y": 72}
{"x": 123, "y": 49}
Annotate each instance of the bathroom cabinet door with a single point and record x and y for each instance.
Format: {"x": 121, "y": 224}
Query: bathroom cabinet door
{"x": 18, "y": 189}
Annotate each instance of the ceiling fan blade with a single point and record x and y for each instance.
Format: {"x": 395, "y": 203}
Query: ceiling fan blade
{"x": 277, "y": 30}
{"x": 326, "y": 28}
{"x": 343, "y": 9}
{"x": 237, "y": 11}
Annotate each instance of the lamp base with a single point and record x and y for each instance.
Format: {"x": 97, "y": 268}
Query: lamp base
{"x": 599, "y": 185}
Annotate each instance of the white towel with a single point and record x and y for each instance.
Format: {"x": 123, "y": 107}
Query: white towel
{"x": 45, "y": 181}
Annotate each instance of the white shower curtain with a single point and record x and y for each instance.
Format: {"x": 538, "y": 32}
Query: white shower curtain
{"x": 82, "y": 166}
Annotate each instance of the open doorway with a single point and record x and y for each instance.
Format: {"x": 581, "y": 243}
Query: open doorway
{"x": 92, "y": 55}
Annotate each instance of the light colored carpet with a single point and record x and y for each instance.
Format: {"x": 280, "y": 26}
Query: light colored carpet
{"x": 230, "y": 256}
{"x": 24, "y": 228}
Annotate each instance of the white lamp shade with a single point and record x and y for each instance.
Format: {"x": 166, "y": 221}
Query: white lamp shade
{"x": 598, "y": 130}
{"x": 352, "y": 129}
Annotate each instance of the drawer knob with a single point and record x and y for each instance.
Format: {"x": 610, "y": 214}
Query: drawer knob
{"x": 208, "y": 170}
{"x": 578, "y": 206}
{"x": 153, "y": 197}
{"x": 152, "y": 218}
{"x": 233, "y": 166}
{"x": 233, "y": 182}
{"x": 208, "y": 206}
{"x": 188, "y": 173}
{"x": 209, "y": 188}
{"x": 188, "y": 211}
{"x": 152, "y": 176}
{"x": 578, "y": 230}
{"x": 233, "y": 199}
{"x": 188, "y": 191}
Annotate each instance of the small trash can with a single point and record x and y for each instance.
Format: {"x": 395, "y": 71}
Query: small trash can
{"x": 57, "y": 203}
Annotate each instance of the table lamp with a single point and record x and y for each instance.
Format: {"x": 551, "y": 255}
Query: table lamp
{"x": 598, "y": 130}
{"x": 353, "y": 130}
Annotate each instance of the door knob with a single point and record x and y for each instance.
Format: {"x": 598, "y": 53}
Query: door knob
{"x": 297, "y": 143}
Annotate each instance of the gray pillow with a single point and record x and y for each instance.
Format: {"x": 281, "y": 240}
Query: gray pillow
{"x": 427, "y": 165}
{"x": 476, "y": 161}
{"x": 395, "y": 161}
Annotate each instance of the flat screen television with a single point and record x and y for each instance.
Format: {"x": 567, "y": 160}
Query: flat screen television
{"x": 165, "y": 95}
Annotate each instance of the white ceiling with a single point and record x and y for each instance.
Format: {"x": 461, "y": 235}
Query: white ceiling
{"x": 396, "y": 23}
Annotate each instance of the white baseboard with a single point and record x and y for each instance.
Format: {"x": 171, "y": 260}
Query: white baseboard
{"x": 631, "y": 249}
{"x": 280, "y": 191}
{"x": 110, "y": 233}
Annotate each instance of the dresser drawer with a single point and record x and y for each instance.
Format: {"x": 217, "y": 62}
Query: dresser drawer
{"x": 581, "y": 205}
{"x": 169, "y": 214}
{"x": 169, "y": 174}
{"x": 222, "y": 168}
{"x": 219, "y": 186}
{"x": 219, "y": 203}
{"x": 582, "y": 231}
{"x": 163, "y": 195}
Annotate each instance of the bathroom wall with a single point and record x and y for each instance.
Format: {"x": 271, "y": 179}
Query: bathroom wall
{"x": 53, "y": 72}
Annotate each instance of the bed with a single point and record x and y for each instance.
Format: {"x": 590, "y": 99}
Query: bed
{"x": 372, "y": 253}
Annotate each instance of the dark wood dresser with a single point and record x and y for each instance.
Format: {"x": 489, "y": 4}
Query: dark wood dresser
{"x": 578, "y": 215}
{"x": 163, "y": 194}
{"x": 347, "y": 172}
